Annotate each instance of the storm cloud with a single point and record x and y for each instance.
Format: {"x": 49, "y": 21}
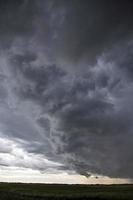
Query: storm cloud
{"x": 66, "y": 82}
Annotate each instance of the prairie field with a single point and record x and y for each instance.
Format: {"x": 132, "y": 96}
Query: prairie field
{"x": 20, "y": 191}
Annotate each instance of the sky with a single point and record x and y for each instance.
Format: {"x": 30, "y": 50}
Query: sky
{"x": 66, "y": 91}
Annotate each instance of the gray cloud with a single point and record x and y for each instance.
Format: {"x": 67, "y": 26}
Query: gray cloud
{"x": 79, "y": 118}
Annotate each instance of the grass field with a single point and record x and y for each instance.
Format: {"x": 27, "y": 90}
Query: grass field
{"x": 18, "y": 191}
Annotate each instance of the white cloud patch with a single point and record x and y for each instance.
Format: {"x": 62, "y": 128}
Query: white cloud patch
{"x": 12, "y": 154}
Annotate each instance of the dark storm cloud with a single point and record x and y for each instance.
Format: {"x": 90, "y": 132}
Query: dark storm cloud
{"x": 79, "y": 118}
{"x": 92, "y": 123}
{"x": 69, "y": 30}
{"x": 82, "y": 30}
{"x": 12, "y": 16}
{"x": 102, "y": 23}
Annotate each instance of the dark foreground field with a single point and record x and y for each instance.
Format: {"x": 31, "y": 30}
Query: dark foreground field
{"x": 64, "y": 192}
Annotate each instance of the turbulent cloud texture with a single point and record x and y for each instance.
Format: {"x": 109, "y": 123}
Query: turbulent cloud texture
{"x": 66, "y": 80}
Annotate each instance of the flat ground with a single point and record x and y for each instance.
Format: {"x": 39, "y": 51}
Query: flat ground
{"x": 18, "y": 191}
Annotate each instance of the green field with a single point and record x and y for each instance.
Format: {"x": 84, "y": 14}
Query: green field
{"x": 19, "y": 191}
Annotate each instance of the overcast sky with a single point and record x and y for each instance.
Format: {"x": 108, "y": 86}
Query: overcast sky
{"x": 66, "y": 91}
